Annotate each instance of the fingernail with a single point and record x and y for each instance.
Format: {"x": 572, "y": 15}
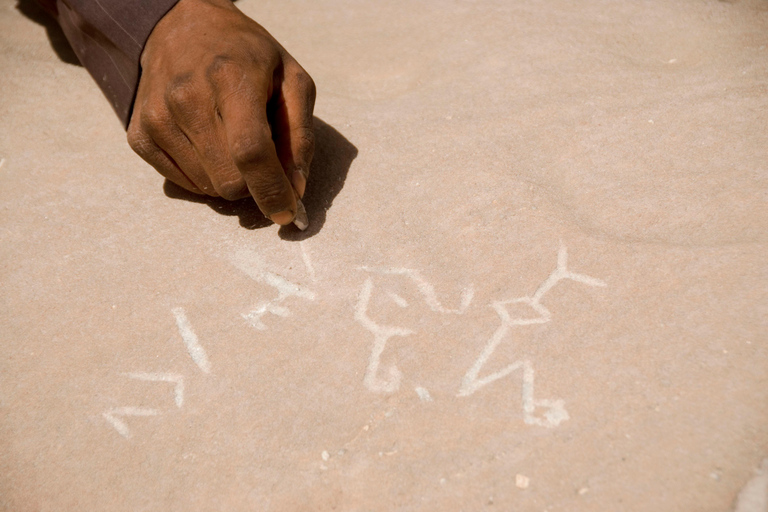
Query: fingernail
{"x": 299, "y": 179}
{"x": 301, "y": 220}
{"x": 282, "y": 218}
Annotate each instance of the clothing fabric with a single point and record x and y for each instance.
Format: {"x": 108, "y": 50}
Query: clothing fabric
{"x": 108, "y": 37}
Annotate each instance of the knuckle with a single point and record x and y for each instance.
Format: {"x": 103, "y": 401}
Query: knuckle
{"x": 138, "y": 140}
{"x": 232, "y": 190}
{"x": 270, "y": 196}
{"x": 202, "y": 183}
{"x": 153, "y": 120}
{"x": 247, "y": 150}
{"x": 221, "y": 68}
{"x": 182, "y": 96}
{"x": 141, "y": 143}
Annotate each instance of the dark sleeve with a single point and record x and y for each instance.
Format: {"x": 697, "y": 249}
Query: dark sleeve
{"x": 108, "y": 37}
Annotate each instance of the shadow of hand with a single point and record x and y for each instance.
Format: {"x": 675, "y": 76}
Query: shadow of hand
{"x": 333, "y": 157}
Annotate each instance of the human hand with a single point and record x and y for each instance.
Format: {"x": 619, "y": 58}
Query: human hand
{"x": 222, "y": 109}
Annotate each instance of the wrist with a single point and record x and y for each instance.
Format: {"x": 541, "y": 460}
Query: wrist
{"x": 184, "y": 20}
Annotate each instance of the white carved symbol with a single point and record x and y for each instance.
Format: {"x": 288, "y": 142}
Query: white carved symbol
{"x": 382, "y": 333}
{"x": 113, "y": 416}
{"x": 556, "y": 412}
{"x": 195, "y": 350}
{"x": 198, "y": 355}
{"x": 250, "y": 263}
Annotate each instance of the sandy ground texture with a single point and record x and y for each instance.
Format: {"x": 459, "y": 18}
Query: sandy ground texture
{"x": 535, "y": 280}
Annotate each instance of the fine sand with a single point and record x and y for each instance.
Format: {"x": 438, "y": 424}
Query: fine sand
{"x": 535, "y": 280}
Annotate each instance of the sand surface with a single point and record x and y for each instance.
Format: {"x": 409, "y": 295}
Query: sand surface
{"x": 536, "y": 277}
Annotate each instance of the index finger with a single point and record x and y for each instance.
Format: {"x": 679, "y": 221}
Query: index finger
{"x": 242, "y": 105}
{"x": 295, "y": 137}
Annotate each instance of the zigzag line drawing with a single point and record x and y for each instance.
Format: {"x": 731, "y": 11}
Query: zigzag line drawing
{"x": 112, "y": 416}
{"x": 471, "y": 382}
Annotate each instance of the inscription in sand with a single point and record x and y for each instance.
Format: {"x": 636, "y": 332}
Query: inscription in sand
{"x": 544, "y": 412}
{"x": 555, "y": 412}
{"x": 250, "y": 263}
{"x": 116, "y": 417}
{"x": 383, "y": 333}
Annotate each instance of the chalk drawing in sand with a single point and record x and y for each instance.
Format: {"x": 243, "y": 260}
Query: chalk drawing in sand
{"x": 471, "y": 382}
{"x": 388, "y": 381}
{"x": 383, "y": 333}
{"x": 251, "y": 264}
{"x": 307, "y": 262}
{"x": 174, "y": 378}
{"x": 377, "y": 379}
{"x": 115, "y": 416}
{"x": 195, "y": 350}
{"x": 426, "y": 290}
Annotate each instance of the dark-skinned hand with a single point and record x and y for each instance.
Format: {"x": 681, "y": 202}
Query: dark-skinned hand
{"x": 222, "y": 109}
